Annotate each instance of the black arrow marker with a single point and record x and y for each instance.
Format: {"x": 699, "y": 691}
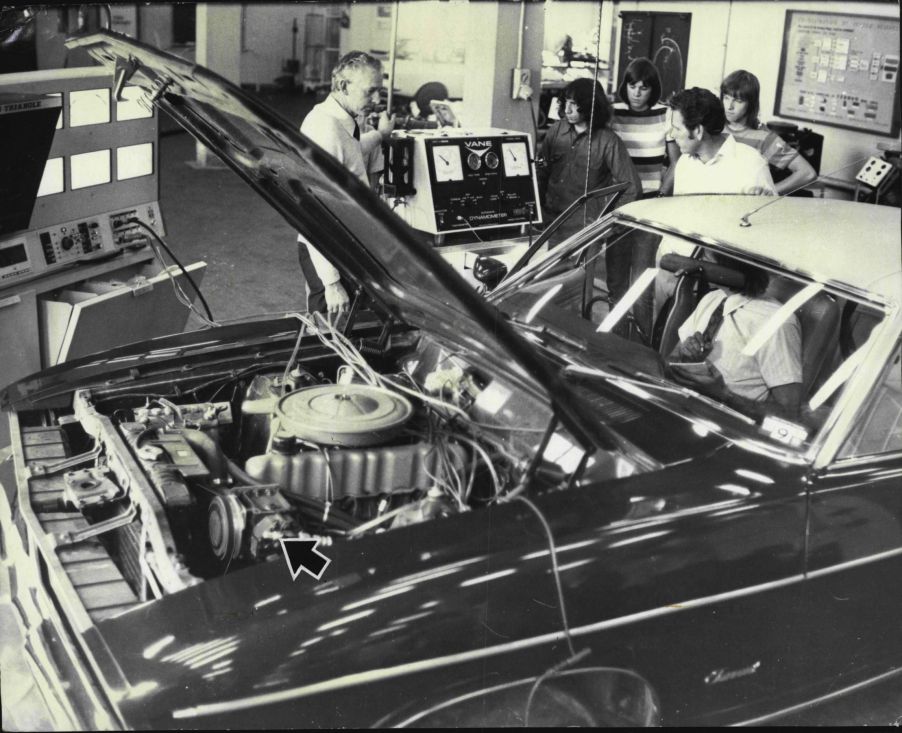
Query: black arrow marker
{"x": 301, "y": 554}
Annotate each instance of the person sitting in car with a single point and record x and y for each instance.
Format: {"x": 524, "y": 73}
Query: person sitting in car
{"x": 710, "y": 354}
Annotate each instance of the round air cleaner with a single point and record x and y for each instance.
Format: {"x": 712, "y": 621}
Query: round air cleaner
{"x": 343, "y": 414}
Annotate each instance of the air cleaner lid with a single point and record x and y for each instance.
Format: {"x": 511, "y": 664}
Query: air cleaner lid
{"x": 348, "y": 414}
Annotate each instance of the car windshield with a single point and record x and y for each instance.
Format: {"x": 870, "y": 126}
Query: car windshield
{"x": 695, "y": 324}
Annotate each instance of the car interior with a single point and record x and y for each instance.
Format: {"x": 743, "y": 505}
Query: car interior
{"x": 833, "y": 328}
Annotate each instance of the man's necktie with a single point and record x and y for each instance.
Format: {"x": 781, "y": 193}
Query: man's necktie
{"x": 356, "y": 130}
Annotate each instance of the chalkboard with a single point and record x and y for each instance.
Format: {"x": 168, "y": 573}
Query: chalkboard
{"x": 841, "y": 70}
{"x": 661, "y": 37}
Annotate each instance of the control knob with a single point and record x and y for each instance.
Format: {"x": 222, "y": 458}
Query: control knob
{"x": 67, "y": 243}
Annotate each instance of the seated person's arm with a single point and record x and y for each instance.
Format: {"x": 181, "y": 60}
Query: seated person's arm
{"x": 783, "y": 401}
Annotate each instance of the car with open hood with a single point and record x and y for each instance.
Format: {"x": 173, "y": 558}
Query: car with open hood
{"x": 513, "y": 511}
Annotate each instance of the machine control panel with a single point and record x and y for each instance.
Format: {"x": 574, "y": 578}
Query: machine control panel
{"x": 463, "y": 180}
{"x": 31, "y": 254}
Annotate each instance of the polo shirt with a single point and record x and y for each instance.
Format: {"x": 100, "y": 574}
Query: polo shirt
{"x": 773, "y": 148}
{"x": 331, "y": 127}
{"x": 735, "y": 168}
{"x": 777, "y": 362}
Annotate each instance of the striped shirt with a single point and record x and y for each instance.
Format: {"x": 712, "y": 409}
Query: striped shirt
{"x": 773, "y": 148}
{"x": 644, "y": 134}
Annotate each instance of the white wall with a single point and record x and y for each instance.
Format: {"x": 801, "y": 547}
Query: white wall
{"x": 726, "y": 36}
{"x": 268, "y": 37}
{"x": 155, "y": 24}
{"x": 433, "y": 32}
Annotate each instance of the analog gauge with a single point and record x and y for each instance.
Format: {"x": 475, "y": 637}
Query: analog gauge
{"x": 474, "y": 161}
{"x": 491, "y": 160}
{"x": 516, "y": 161}
{"x": 446, "y": 159}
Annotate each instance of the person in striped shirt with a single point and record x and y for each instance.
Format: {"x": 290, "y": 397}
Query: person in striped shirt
{"x": 641, "y": 122}
{"x": 740, "y": 93}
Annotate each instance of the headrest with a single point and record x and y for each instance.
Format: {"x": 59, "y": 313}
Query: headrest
{"x": 712, "y": 271}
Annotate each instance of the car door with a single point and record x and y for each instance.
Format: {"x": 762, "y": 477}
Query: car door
{"x": 854, "y": 559}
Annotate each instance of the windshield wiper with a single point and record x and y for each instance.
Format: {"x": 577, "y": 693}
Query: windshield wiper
{"x": 544, "y": 330}
{"x": 651, "y": 383}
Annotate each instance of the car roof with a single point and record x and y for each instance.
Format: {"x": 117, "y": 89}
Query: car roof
{"x": 841, "y": 242}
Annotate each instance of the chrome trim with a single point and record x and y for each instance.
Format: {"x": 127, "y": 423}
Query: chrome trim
{"x": 373, "y": 675}
{"x": 855, "y": 397}
{"x": 823, "y": 698}
{"x": 853, "y": 563}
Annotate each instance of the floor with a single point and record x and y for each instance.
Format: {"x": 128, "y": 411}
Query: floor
{"x": 211, "y": 215}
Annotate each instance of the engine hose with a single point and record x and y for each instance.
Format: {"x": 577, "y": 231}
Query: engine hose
{"x": 209, "y": 450}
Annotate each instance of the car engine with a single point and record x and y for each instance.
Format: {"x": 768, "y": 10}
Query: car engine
{"x": 200, "y": 471}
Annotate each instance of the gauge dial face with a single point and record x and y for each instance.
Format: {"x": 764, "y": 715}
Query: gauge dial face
{"x": 516, "y": 161}
{"x": 447, "y": 163}
{"x": 491, "y": 160}
{"x": 474, "y": 161}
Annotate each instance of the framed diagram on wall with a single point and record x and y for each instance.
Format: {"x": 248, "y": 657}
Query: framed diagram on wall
{"x": 840, "y": 69}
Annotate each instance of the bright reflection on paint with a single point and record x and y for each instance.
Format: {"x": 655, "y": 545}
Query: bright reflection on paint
{"x": 199, "y": 655}
{"x": 345, "y": 620}
{"x": 438, "y": 572}
{"x": 216, "y": 673}
{"x": 141, "y": 689}
{"x": 378, "y": 597}
{"x": 571, "y": 565}
{"x": 489, "y": 577}
{"x": 703, "y": 428}
{"x": 311, "y": 642}
{"x": 735, "y": 489}
{"x": 559, "y": 550}
{"x": 429, "y": 604}
{"x": 759, "y": 477}
{"x": 387, "y": 630}
{"x": 640, "y": 538}
{"x": 267, "y": 601}
{"x": 407, "y": 619}
{"x": 151, "y": 651}
{"x": 542, "y": 302}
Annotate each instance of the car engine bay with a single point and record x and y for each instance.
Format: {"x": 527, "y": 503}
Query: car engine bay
{"x": 206, "y": 474}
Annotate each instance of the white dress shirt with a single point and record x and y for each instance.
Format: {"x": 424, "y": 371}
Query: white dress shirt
{"x": 735, "y": 168}
{"x": 331, "y": 127}
{"x": 777, "y": 362}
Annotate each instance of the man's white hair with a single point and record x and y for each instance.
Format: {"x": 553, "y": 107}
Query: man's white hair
{"x": 352, "y": 61}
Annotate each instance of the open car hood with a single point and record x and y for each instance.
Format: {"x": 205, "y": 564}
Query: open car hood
{"x": 349, "y": 223}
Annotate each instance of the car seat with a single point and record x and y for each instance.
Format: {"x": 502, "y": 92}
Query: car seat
{"x": 819, "y": 317}
{"x": 693, "y": 278}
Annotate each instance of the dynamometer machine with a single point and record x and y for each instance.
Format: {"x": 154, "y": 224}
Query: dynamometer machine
{"x": 79, "y": 205}
{"x": 453, "y": 180}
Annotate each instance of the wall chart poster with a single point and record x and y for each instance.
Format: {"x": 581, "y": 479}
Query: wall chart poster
{"x": 840, "y": 70}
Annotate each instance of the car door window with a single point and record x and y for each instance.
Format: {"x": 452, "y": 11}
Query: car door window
{"x": 880, "y": 430}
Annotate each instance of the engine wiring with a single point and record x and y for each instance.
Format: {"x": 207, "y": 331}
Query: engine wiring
{"x": 574, "y": 655}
